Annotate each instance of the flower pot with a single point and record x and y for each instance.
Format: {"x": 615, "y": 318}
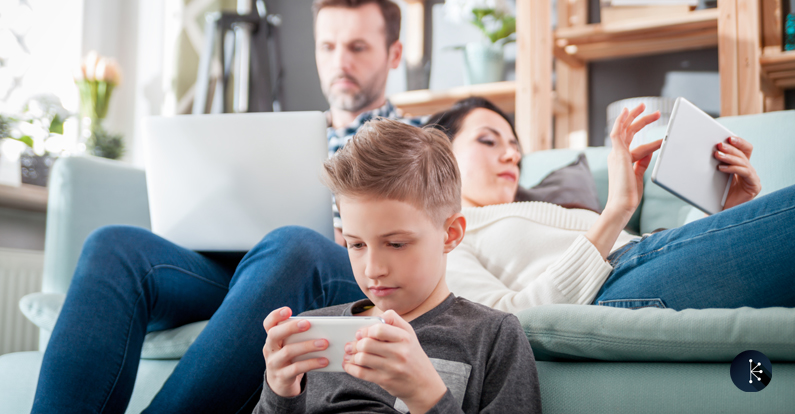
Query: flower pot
{"x": 36, "y": 168}
{"x": 483, "y": 63}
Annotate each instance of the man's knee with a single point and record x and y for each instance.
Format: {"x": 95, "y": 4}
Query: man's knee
{"x": 294, "y": 240}
{"x": 114, "y": 247}
{"x": 113, "y": 237}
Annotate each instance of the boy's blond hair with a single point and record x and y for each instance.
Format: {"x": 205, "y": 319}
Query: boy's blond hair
{"x": 388, "y": 159}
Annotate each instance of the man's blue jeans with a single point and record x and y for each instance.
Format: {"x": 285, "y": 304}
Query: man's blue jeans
{"x": 743, "y": 256}
{"x": 129, "y": 282}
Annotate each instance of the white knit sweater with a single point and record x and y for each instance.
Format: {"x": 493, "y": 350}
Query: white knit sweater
{"x": 519, "y": 255}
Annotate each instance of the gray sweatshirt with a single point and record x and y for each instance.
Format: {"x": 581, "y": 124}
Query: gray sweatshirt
{"x": 482, "y": 355}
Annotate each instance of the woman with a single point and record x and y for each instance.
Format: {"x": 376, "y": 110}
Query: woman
{"x": 519, "y": 255}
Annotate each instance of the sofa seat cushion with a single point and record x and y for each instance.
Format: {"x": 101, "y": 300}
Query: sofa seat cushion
{"x": 43, "y": 308}
{"x": 658, "y": 387}
{"x": 587, "y": 333}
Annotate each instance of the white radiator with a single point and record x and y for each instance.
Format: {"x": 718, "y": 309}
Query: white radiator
{"x": 20, "y": 274}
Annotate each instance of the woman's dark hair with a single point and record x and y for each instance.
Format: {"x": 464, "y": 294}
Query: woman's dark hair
{"x": 449, "y": 121}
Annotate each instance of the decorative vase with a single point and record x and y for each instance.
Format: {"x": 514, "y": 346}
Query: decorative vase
{"x": 483, "y": 63}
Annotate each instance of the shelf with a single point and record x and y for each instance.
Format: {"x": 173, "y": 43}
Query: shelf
{"x": 695, "y": 30}
{"x": 779, "y": 68}
{"x": 427, "y": 102}
{"x": 25, "y": 197}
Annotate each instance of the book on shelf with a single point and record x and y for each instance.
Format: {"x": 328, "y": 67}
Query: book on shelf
{"x": 608, "y": 3}
{"x": 613, "y": 11}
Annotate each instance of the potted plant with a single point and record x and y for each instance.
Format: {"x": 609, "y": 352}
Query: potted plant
{"x": 96, "y": 80}
{"x": 38, "y": 132}
{"x": 484, "y": 61}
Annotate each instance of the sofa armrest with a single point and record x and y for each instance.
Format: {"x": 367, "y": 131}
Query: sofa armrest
{"x": 86, "y": 193}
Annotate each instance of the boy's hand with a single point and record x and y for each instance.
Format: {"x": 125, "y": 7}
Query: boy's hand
{"x": 389, "y": 354}
{"x": 284, "y": 376}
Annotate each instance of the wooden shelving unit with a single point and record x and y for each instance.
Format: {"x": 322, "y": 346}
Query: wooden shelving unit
{"x": 25, "y": 197}
{"x": 695, "y": 30}
{"x": 753, "y": 66}
{"x": 779, "y": 67}
{"x": 426, "y": 102}
{"x": 754, "y": 69}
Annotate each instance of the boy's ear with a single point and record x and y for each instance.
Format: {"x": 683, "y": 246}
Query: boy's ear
{"x": 455, "y": 227}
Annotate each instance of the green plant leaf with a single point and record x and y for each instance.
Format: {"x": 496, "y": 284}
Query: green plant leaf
{"x": 27, "y": 140}
{"x": 508, "y": 28}
{"x": 56, "y": 126}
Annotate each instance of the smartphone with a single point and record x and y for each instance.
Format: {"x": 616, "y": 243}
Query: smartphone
{"x": 337, "y": 330}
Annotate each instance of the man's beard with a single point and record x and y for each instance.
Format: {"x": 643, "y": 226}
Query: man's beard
{"x": 353, "y": 102}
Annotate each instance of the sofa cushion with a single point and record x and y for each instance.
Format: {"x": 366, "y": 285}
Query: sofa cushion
{"x": 771, "y": 135}
{"x": 571, "y": 185}
{"x": 43, "y": 308}
{"x": 539, "y": 164}
{"x": 581, "y": 333}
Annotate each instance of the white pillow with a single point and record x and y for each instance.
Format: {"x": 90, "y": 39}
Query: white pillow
{"x": 43, "y": 308}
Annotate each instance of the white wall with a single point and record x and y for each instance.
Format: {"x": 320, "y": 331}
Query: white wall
{"x": 131, "y": 31}
{"x": 51, "y": 33}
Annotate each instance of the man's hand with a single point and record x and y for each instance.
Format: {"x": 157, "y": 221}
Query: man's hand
{"x": 284, "y": 376}
{"x": 389, "y": 354}
{"x": 735, "y": 154}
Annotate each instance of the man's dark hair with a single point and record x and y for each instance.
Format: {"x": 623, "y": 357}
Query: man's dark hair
{"x": 389, "y": 10}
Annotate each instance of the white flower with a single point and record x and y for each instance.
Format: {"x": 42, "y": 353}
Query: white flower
{"x": 460, "y": 11}
{"x": 99, "y": 68}
{"x": 90, "y": 63}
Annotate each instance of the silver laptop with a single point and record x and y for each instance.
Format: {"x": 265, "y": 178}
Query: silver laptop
{"x": 222, "y": 182}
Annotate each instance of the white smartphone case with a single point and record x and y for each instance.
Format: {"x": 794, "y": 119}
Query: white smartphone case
{"x": 337, "y": 330}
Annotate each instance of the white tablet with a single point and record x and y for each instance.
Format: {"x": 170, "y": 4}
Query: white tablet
{"x": 686, "y": 166}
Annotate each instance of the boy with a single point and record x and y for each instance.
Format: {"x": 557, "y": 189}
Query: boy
{"x": 399, "y": 194}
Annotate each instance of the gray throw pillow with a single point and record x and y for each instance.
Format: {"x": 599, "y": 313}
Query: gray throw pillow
{"x": 572, "y": 186}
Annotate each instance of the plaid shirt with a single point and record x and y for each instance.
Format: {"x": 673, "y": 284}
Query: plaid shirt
{"x": 337, "y": 138}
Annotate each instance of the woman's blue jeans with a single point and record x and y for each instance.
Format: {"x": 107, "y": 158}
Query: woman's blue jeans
{"x": 743, "y": 256}
{"x": 129, "y": 282}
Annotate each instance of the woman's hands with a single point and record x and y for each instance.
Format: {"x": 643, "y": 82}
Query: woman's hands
{"x": 735, "y": 154}
{"x": 284, "y": 376}
{"x": 625, "y": 171}
{"x": 625, "y": 167}
{"x": 389, "y": 354}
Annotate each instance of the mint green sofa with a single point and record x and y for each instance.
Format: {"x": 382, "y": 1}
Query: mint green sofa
{"x": 590, "y": 359}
